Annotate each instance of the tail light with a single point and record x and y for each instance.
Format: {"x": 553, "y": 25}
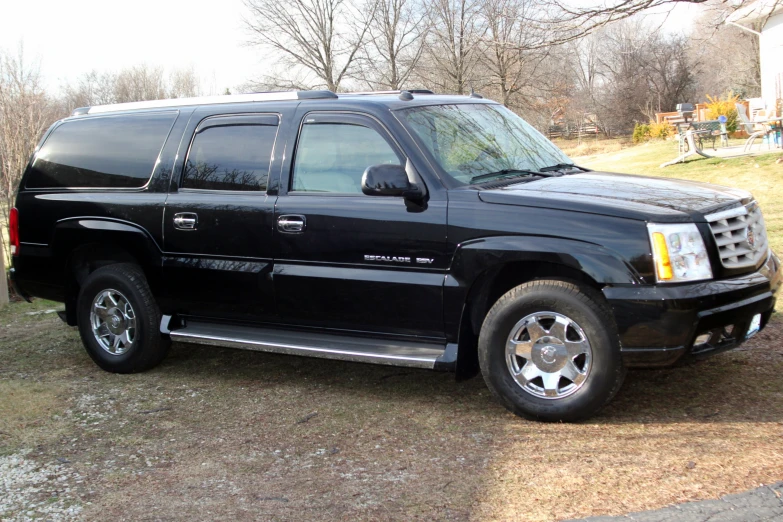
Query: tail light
{"x": 13, "y": 231}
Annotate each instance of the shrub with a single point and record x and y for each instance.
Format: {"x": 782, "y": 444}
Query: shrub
{"x": 646, "y": 131}
{"x": 661, "y": 130}
{"x": 725, "y": 106}
{"x": 641, "y": 132}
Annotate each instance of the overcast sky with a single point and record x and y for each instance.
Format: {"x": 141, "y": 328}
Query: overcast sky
{"x": 71, "y": 37}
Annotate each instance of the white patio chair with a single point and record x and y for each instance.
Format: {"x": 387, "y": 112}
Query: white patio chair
{"x": 754, "y": 130}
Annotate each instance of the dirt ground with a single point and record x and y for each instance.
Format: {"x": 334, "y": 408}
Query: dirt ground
{"x": 226, "y": 434}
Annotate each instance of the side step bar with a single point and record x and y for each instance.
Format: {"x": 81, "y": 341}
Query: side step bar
{"x": 341, "y": 347}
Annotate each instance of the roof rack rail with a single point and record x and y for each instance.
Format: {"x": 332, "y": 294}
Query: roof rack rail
{"x": 368, "y": 93}
{"x": 315, "y": 95}
{"x": 207, "y": 100}
{"x": 412, "y": 91}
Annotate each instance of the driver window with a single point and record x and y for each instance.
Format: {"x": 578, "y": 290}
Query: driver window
{"x": 331, "y": 157}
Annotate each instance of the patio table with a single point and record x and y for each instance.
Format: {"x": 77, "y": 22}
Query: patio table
{"x": 776, "y": 124}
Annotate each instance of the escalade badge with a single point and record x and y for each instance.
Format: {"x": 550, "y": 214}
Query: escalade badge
{"x": 399, "y": 259}
{"x": 388, "y": 259}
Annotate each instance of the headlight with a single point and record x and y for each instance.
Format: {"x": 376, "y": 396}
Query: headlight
{"x": 679, "y": 253}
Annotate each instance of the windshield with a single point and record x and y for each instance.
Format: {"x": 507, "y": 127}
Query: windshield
{"x": 474, "y": 141}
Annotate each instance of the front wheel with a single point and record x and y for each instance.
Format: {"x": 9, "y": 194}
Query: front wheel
{"x": 119, "y": 320}
{"x": 549, "y": 351}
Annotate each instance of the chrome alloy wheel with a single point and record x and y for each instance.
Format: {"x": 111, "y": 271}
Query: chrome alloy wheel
{"x": 113, "y": 322}
{"x": 548, "y": 355}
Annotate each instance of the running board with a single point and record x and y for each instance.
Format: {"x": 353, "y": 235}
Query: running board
{"x": 341, "y": 347}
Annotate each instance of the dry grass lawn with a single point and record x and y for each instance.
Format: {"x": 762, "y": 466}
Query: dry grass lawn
{"x": 225, "y": 434}
{"x": 591, "y": 146}
{"x": 26, "y": 412}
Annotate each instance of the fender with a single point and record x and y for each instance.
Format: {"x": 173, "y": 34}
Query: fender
{"x": 70, "y": 233}
{"x": 478, "y": 260}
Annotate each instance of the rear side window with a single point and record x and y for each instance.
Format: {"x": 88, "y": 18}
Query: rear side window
{"x": 106, "y": 152}
{"x": 231, "y": 156}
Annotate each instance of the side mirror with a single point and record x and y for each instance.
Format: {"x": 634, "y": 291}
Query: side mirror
{"x": 387, "y": 180}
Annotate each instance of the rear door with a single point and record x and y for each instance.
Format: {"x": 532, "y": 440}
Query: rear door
{"x": 218, "y": 221}
{"x": 347, "y": 260}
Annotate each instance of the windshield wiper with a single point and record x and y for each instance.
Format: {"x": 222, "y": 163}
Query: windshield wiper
{"x": 505, "y": 173}
{"x": 561, "y": 166}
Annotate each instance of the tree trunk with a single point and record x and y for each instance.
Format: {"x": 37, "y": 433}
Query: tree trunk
{"x": 3, "y": 279}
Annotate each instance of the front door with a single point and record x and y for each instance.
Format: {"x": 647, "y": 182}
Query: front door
{"x": 218, "y": 223}
{"x": 347, "y": 260}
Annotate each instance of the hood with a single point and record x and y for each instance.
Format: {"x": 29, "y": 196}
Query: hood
{"x": 623, "y": 195}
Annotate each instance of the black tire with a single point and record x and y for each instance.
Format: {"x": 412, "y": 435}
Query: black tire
{"x": 586, "y": 308}
{"x": 148, "y": 347}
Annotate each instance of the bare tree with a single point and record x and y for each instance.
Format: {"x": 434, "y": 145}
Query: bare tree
{"x": 669, "y": 73}
{"x": 511, "y": 58}
{"x": 583, "y": 65}
{"x": 277, "y": 79}
{"x": 566, "y": 20}
{"x": 322, "y": 37}
{"x": 454, "y": 45}
{"x": 139, "y": 83}
{"x": 92, "y": 88}
{"x": 630, "y": 70}
{"x": 183, "y": 83}
{"x": 25, "y": 113}
{"x": 395, "y": 42}
{"x": 728, "y": 56}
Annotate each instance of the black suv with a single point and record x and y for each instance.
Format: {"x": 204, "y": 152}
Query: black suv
{"x": 404, "y": 228}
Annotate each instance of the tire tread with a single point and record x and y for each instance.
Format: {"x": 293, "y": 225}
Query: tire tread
{"x": 587, "y": 296}
{"x": 153, "y": 348}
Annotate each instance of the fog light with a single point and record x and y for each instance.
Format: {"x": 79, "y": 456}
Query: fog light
{"x": 702, "y": 339}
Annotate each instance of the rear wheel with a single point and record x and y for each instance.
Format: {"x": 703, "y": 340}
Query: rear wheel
{"x": 119, "y": 321}
{"x": 549, "y": 351}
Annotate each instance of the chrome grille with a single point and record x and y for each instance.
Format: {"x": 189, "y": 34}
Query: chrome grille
{"x": 740, "y": 235}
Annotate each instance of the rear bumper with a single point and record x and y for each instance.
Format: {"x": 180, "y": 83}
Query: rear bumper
{"x": 34, "y": 274}
{"x": 659, "y": 324}
{"x": 15, "y": 285}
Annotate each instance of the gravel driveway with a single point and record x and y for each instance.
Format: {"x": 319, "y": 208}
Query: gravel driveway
{"x": 764, "y": 503}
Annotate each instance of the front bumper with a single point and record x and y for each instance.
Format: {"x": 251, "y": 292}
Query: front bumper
{"x": 659, "y": 324}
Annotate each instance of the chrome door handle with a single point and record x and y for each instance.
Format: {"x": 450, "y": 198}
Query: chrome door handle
{"x": 185, "y": 221}
{"x": 291, "y": 223}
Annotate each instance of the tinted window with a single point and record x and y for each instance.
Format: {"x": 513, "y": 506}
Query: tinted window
{"x": 331, "y": 157}
{"x": 230, "y": 157}
{"x": 107, "y": 152}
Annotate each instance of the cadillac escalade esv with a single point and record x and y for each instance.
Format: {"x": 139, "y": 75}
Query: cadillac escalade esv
{"x": 401, "y": 228}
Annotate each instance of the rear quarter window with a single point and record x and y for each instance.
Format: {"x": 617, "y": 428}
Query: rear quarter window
{"x": 104, "y": 152}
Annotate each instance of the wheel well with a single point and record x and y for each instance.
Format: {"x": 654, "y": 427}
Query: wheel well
{"x": 489, "y": 287}
{"x": 84, "y": 260}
